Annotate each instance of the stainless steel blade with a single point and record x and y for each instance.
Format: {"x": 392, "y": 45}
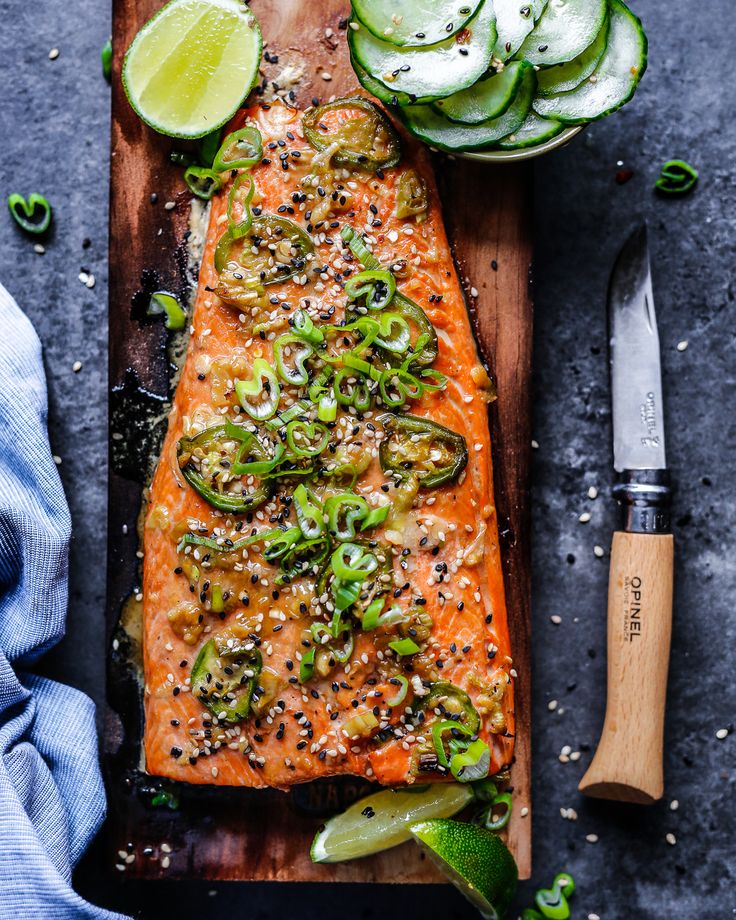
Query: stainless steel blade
{"x": 636, "y": 377}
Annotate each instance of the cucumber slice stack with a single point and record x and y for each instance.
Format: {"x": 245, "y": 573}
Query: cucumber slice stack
{"x": 497, "y": 74}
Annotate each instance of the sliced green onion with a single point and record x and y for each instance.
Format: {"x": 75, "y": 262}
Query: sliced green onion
{"x": 282, "y": 543}
{"x": 404, "y": 646}
{"x": 162, "y": 302}
{"x": 302, "y": 558}
{"x": 677, "y": 178}
{"x": 24, "y": 212}
{"x": 359, "y": 249}
{"x": 356, "y": 394}
{"x": 239, "y": 216}
{"x": 106, "y": 60}
{"x": 375, "y": 517}
{"x": 504, "y": 801}
{"x": 345, "y": 593}
{"x": 439, "y": 730}
{"x": 259, "y": 399}
{"x": 201, "y": 181}
{"x": 306, "y": 665}
{"x": 327, "y": 408}
{"x": 359, "y": 563}
{"x": 471, "y": 764}
{"x": 304, "y": 327}
{"x": 401, "y": 694}
{"x": 552, "y": 902}
{"x": 306, "y": 439}
{"x": 373, "y": 618}
{"x": 240, "y": 150}
{"x": 343, "y": 513}
{"x": 258, "y": 468}
{"x": 309, "y": 512}
{"x": 292, "y": 368}
{"x": 377, "y": 287}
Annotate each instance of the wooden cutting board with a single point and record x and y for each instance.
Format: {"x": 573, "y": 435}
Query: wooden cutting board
{"x": 252, "y": 834}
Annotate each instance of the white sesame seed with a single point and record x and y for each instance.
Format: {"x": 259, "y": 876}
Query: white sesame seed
{"x": 170, "y": 205}
{"x": 166, "y": 862}
{"x": 592, "y": 838}
{"x": 90, "y": 282}
{"x": 77, "y": 367}
{"x": 57, "y": 459}
{"x": 552, "y": 705}
{"x": 574, "y": 756}
{"x": 671, "y": 839}
{"x": 39, "y": 249}
{"x": 524, "y": 812}
{"x": 53, "y": 54}
{"x": 674, "y": 805}
{"x": 682, "y": 346}
{"x": 354, "y": 26}
{"x": 474, "y": 292}
{"x": 535, "y": 445}
{"x": 584, "y": 517}
{"x": 599, "y": 551}
{"x": 592, "y": 492}
{"x": 326, "y": 75}
{"x": 722, "y": 733}
{"x": 165, "y": 848}
{"x": 556, "y": 619}
{"x": 593, "y": 917}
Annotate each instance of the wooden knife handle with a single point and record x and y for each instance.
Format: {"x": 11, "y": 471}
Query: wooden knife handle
{"x": 627, "y": 765}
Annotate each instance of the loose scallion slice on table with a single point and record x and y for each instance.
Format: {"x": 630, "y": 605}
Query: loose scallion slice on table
{"x": 676, "y": 178}
{"x": 167, "y": 304}
{"x": 32, "y": 215}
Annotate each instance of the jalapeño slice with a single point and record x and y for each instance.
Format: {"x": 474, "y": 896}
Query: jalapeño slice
{"x": 206, "y": 462}
{"x": 224, "y": 680}
{"x": 362, "y": 135}
{"x": 419, "y": 447}
{"x": 281, "y": 250}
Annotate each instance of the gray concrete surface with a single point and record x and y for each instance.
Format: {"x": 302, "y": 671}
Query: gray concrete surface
{"x": 54, "y": 130}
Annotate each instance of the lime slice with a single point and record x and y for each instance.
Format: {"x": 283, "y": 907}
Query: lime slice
{"x": 474, "y": 859}
{"x": 191, "y": 65}
{"x": 381, "y": 820}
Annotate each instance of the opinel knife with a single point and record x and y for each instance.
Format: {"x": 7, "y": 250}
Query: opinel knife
{"x": 627, "y": 765}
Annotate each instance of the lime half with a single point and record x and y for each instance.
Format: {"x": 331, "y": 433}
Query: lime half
{"x": 381, "y": 820}
{"x": 192, "y": 64}
{"x": 474, "y": 859}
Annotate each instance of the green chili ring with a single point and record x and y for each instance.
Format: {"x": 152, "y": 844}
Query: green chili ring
{"x": 202, "y": 182}
{"x": 240, "y": 150}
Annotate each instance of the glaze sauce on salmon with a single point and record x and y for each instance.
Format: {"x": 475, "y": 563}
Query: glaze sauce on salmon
{"x": 323, "y": 591}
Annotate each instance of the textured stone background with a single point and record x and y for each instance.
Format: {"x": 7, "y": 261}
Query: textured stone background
{"x": 54, "y": 129}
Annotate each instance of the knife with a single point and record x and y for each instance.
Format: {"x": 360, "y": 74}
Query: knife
{"x": 627, "y": 765}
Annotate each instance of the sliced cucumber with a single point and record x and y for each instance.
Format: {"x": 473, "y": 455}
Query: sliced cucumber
{"x": 426, "y": 74}
{"x": 564, "y": 31}
{"x": 514, "y": 21}
{"x": 415, "y": 23}
{"x": 378, "y": 89}
{"x": 614, "y": 80}
{"x": 534, "y": 131}
{"x": 563, "y": 77}
{"x": 487, "y": 99}
{"x": 430, "y": 126}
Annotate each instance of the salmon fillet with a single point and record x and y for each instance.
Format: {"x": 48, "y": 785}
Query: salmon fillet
{"x": 438, "y": 547}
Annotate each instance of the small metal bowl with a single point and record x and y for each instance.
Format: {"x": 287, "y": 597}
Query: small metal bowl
{"x": 528, "y": 153}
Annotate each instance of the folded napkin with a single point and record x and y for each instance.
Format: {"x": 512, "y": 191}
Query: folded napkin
{"x": 52, "y": 800}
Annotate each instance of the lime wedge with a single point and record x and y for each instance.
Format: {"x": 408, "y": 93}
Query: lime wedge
{"x": 474, "y": 859}
{"x": 381, "y": 820}
{"x": 192, "y": 64}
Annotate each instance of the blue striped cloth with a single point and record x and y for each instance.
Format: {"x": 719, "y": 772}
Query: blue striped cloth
{"x": 52, "y": 800}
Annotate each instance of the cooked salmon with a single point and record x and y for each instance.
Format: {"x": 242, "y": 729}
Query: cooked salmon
{"x": 276, "y": 699}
